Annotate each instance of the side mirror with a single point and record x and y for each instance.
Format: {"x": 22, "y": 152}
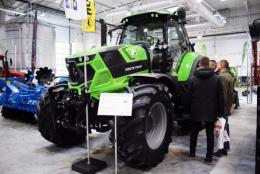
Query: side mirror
{"x": 192, "y": 46}
{"x": 181, "y": 13}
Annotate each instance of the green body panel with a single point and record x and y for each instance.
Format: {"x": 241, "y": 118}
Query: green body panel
{"x": 103, "y": 80}
{"x": 91, "y": 51}
{"x": 184, "y": 66}
{"x": 133, "y": 53}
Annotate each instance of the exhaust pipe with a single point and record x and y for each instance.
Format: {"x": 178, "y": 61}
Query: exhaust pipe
{"x": 103, "y": 32}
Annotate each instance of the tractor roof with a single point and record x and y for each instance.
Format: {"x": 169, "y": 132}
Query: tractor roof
{"x": 160, "y": 13}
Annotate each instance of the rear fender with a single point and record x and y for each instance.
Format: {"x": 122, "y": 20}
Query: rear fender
{"x": 187, "y": 66}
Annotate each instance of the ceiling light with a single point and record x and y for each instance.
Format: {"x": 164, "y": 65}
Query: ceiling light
{"x": 199, "y": 1}
{"x": 42, "y": 14}
{"x": 197, "y": 25}
{"x": 128, "y": 13}
{"x": 12, "y": 11}
{"x": 151, "y": 5}
{"x": 224, "y": 21}
{"x": 223, "y": 0}
{"x": 58, "y": 1}
{"x": 173, "y": 9}
{"x": 117, "y": 13}
{"x": 146, "y": 7}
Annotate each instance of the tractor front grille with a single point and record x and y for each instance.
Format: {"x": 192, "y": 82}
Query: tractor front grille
{"x": 76, "y": 73}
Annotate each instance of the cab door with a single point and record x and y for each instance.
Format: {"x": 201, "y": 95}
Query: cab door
{"x": 177, "y": 44}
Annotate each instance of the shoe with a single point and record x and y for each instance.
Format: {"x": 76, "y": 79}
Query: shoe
{"x": 220, "y": 153}
{"x": 192, "y": 155}
{"x": 224, "y": 153}
{"x": 208, "y": 160}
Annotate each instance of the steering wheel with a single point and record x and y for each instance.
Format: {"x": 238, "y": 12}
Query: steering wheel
{"x": 150, "y": 39}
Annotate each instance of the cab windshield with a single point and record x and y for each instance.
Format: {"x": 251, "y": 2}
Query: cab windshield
{"x": 150, "y": 32}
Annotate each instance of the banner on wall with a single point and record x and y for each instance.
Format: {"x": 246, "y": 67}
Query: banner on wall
{"x": 244, "y": 54}
{"x": 89, "y": 23}
{"x": 202, "y": 49}
{"x": 75, "y": 9}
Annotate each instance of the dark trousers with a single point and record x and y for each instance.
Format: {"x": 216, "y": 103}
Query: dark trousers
{"x": 196, "y": 127}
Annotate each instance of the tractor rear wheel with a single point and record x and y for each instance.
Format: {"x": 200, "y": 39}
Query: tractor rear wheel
{"x": 52, "y": 131}
{"x": 143, "y": 139}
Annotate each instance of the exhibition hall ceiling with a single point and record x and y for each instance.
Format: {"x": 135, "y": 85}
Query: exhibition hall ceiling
{"x": 204, "y": 16}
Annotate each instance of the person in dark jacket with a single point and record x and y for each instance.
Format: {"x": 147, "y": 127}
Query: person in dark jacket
{"x": 205, "y": 103}
{"x": 228, "y": 89}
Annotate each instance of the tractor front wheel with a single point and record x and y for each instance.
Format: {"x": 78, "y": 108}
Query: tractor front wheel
{"x": 54, "y": 132}
{"x": 143, "y": 139}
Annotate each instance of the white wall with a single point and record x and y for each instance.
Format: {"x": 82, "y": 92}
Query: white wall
{"x": 229, "y": 47}
{"x": 20, "y": 37}
{"x": 62, "y": 39}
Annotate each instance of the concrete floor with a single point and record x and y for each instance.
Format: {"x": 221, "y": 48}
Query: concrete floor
{"x": 23, "y": 150}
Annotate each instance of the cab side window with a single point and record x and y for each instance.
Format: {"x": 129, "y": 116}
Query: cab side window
{"x": 184, "y": 38}
{"x": 174, "y": 43}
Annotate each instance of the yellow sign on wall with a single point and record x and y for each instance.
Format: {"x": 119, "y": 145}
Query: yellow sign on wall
{"x": 89, "y": 24}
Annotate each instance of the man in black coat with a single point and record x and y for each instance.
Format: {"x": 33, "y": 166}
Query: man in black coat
{"x": 205, "y": 102}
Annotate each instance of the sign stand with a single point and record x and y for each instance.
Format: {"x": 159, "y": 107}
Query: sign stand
{"x": 115, "y": 144}
{"x": 107, "y": 103}
{"x": 88, "y": 165}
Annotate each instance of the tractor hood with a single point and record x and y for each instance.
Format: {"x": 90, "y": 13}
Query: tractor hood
{"x": 106, "y": 64}
{"x": 129, "y": 53}
{"x": 94, "y": 51}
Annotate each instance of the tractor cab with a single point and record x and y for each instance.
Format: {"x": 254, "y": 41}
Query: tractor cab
{"x": 162, "y": 34}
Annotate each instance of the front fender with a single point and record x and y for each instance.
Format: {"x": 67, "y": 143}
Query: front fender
{"x": 167, "y": 80}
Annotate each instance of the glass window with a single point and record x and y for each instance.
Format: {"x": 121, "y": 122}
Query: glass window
{"x": 150, "y": 31}
{"x": 182, "y": 34}
{"x": 174, "y": 40}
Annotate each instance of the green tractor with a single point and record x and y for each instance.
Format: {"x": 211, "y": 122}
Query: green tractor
{"x": 154, "y": 61}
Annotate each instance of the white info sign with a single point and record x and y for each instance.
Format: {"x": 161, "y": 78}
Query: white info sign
{"x": 115, "y": 104}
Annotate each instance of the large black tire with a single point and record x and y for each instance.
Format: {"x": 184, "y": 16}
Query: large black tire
{"x": 49, "y": 129}
{"x": 134, "y": 145}
{"x": 18, "y": 115}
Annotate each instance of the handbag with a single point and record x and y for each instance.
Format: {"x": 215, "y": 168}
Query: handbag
{"x": 219, "y": 133}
